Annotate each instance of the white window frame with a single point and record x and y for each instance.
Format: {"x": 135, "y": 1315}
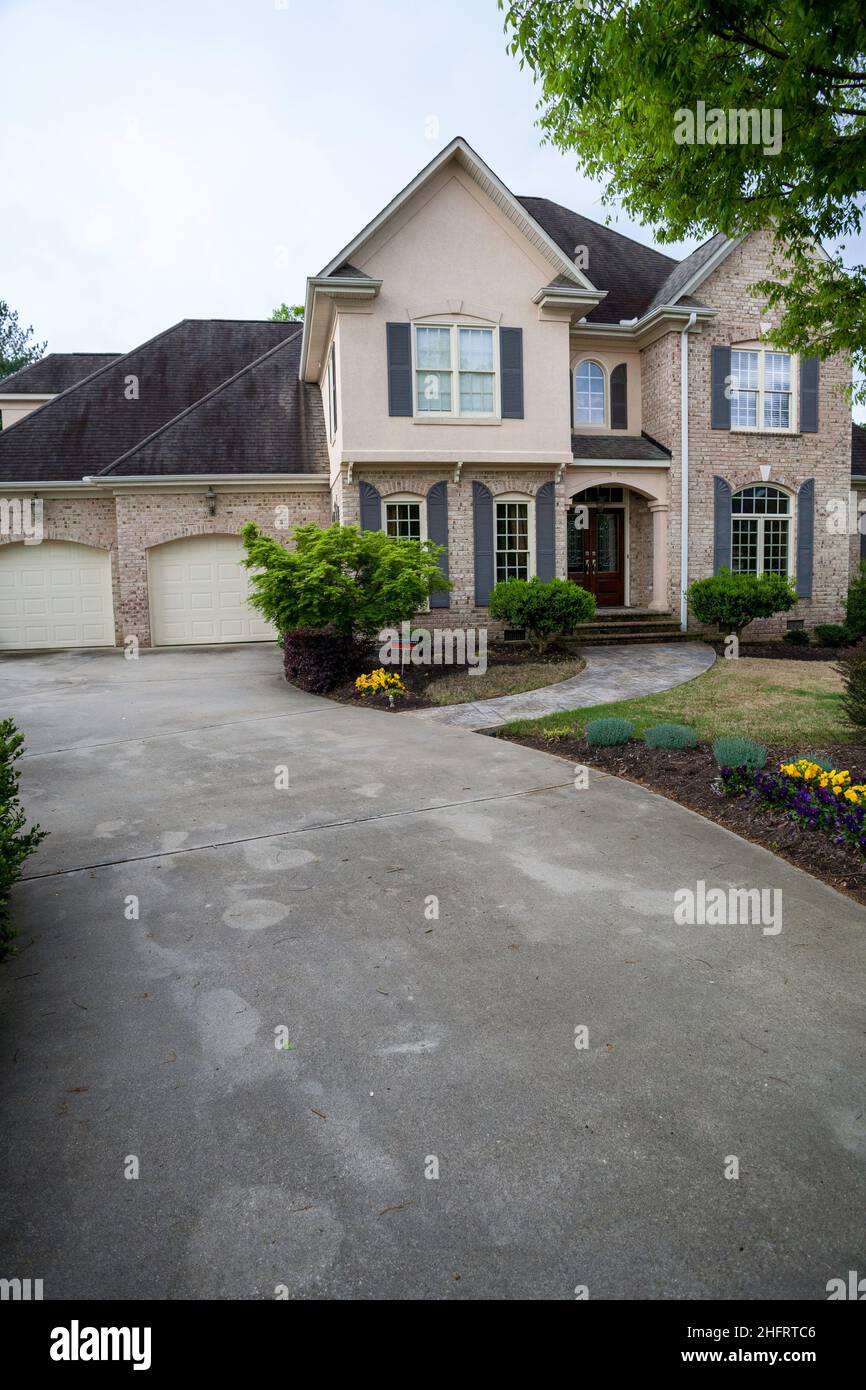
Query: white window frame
{"x": 455, "y": 414}
{"x": 331, "y": 388}
{"x": 761, "y": 517}
{"x": 604, "y": 423}
{"x": 763, "y": 350}
{"x": 395, "y": 499}
{"x": 529, "y": 503}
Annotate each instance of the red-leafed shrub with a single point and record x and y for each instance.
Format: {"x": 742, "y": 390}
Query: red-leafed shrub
{"x": 318, "y": 660}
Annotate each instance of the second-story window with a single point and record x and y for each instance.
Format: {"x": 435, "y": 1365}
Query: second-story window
{"x": 762, "y": 390}
{"x": 589, "y": 394}
{"x": 454, "y": 370}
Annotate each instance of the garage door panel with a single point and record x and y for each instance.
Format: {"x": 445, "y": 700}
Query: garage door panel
{"x": 55, "y": 594}
{"x": 198, "y": 593}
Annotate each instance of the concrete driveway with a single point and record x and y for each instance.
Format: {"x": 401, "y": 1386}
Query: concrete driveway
{"x": 416, "y": 1043}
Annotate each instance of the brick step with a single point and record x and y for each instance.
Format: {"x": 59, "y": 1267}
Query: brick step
{"x": 607, "y": 639}
{"x": 631, "y": 615}
{"x": 624, "y": 629}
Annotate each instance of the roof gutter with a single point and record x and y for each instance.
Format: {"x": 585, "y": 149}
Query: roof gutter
{"x": 350, "y": 287}
{"x": 684, "y": 485}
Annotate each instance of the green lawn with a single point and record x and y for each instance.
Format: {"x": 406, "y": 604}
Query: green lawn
{"x": 776, "y": 702}
{"x": 460, "y": 686}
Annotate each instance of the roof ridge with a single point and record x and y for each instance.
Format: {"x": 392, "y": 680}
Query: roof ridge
{"x": 188, "y": 410}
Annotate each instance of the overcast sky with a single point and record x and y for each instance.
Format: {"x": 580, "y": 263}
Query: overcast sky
{"x": 165, "y": 159}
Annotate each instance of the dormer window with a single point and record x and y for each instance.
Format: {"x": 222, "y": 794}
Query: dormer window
{"x": 589, "y": 408}
{"x": 454, "y": 370}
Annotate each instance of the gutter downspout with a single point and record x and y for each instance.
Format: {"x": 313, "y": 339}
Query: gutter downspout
{"x": 684, "y": 471}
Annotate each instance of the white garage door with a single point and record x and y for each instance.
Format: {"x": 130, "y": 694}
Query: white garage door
{"x": 198, "y": 590}
{"x": 55, "y": 594}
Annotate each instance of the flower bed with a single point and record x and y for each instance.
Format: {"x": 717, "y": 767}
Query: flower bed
{"x": 818, "y": 798}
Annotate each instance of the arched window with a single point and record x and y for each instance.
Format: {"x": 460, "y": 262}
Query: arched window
{"x": 589, "y": 394}
{"x": 761, "y": 531}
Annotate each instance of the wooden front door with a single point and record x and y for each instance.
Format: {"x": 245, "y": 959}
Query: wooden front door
{"x": 596, "y": 553}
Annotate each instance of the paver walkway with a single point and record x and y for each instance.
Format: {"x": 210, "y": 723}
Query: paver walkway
{"x": 611, "y": 673}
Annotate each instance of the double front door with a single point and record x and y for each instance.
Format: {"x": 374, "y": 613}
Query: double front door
{"x": 596, "y": 552}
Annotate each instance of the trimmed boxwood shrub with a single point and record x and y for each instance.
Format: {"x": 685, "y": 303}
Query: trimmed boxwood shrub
{"x": 546, "y": 608}
{"x": 853, "y": 671}
{"x": 833, "y": 635}
{"x": 16, "y": 843}
{"x": 732, "y": 751}
{"x": 797, "y": 636}
{"x": 318, "y": 660}
{"x": 670, "y": 736}
{"x": 855, "y": 604}
{"x": 606, "y": 732}
{"x": 734, "y": 600}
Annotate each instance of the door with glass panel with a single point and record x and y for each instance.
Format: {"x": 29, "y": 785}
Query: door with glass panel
{"x": 596, "y": 546}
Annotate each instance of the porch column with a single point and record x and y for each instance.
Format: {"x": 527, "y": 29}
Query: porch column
{"x": 660, "y": 600}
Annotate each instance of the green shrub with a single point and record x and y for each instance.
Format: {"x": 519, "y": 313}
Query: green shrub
{"x": 606, "y": 732}
{"x": 731, "y": 751}
{"x": 853, "y": 671}
{"x": 340, "y": 579}
{"x": 797, "y": 636}
{"x": 832, "y": 635}
{"x": 855, "y": 604}
{"x": 16, "y": 843}
{"x": 734, "y": 600}
{"x": 823, "y": 763}
{"x": 670, "y": 736}
{"x": 547, "y": 609}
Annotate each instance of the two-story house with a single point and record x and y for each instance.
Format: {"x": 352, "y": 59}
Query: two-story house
{"x": 533, "y": 391}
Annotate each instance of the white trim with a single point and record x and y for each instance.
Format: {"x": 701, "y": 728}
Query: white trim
{"x": 531, "y": 539}
{"x": 763, "y": 349}
{"x": 684, "y": 472}
{"x": 456, "y": 414}
{"x": 621, "y": 463}
{"x": 760, "y": 517}
{"x": 10, "y": 397}
{"x": 415, "y": 499}
{"x": 602, "y": 424}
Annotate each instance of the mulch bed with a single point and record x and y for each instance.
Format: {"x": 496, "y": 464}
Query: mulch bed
{"x": 687, "y": 775}
{"x": 418, "y": 679}
{"x": 785, "y": 651}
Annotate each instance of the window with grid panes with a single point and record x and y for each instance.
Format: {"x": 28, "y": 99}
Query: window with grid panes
{"x": 760, "y": 531}
{"x": 512, "y": 541}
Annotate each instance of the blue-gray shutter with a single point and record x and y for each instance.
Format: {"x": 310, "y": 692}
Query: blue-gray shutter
{"x": 482, "y": 525}
{"x": 437, "y": 531}
{"x": 511, "y": 370}
{"x": 809, "y": 375}
{"x": 619, "y": 397}
{"x": 720, "y": 418}
{"x": 805, "y": 537}
{"x": 371, "y": 507}
{"x": 399, "y": 338}
{"x": 545, "y": 531}
{"x": 721, "y": 524}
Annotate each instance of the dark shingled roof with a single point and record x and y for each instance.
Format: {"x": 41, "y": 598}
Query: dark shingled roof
{"x": 858, "y": 450}
{"x": 631, "y": 273}
{"x": 54, "y": 373}
{"x": 263, "y": 420}
{"x": 612, "y": 446}
{"x": 90, "y": 426}
{"x": 669, "y": 292}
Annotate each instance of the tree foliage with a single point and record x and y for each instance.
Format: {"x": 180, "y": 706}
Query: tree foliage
{"x": 613, "y": 76}
{"x": 15, "y": 349}
{"x": 288, "y": 313}
{"x": 340, "y": 578}
{"x": 16, "y": 843}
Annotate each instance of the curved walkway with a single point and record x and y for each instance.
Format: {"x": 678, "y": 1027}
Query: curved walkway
{"x": 619, "y": 672}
